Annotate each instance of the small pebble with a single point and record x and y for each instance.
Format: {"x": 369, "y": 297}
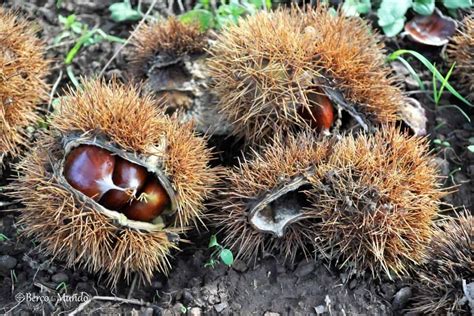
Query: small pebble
{"x": 401, "y": 298}
{"x": 60, "y": 277}
{"x": 187, "y": 297}
{"x": 7, "y": 263}
{"x": 239, "y": 266}
{"x": 220, "y": 307}
{"x": 321, "y": 309}
{"x": 304, "y": 268}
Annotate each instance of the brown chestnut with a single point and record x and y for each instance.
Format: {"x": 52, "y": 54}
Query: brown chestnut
{"x": 152, "y": 202}
{"x": 129, "y": 176}
{"x": 89, "y": 169}
{"x": 321, "y": 114}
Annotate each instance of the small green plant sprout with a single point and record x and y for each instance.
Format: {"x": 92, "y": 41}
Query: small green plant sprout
{"x": 440, "y": 82}
{"x": 62, "y": 287}
{"x": 123, "y": 11}
{"x": 184, "y": 309}
{"x": 209, "y": 16}
{"x": 3, "y": 237}
{"x": 441, "y": 143}
{"x": 81, "y": 35}
{"x": 225, "y": 255}
{"x": 356, "y": 7}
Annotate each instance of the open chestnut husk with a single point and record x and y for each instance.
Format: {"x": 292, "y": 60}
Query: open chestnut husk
{"x": 293, "y": 69}
{"x": 23, "y": 69}
{"x": 170, "y": 58}
{"x": 106, "y": 147}
{"x": 262, "y": 206}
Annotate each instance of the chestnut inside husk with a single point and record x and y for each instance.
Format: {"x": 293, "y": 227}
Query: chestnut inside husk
{"x": 122, "y": 185}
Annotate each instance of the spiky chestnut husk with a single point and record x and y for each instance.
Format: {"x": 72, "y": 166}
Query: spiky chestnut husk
{"x": 22, "y": 87}
{"x": 438, "y": 282}
{"x": 375, "y": 201}
{"x": 256, "y": 179}
{"x": 170, "y": 57}
{"x": 461, "y": 51}
{"x": 268, "y": 69}
{"x": 73, "y": 227}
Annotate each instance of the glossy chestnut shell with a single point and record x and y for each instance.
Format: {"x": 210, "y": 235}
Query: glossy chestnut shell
{"x": 88, "y": 169}
{"x": 154, "y": 202}
{"x": 115, "y": 183}
{"x": 321, "y": 114}
{"x": 126, "y": 175}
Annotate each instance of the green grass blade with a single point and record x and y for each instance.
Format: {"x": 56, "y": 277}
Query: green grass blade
{"x": 458, "y": 108}
{"x": 412, "y": 72}
{"x": 75, "y": 49}
{"x": 448, "y": 75}
{"x": 430, "y": 67}
{"x": 435, "y": 90}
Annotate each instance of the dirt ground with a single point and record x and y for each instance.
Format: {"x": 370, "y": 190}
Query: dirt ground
{"x": 266, "y": 288}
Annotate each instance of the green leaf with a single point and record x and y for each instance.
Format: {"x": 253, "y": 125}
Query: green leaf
{"x": 202, "y": 17}
{"x": 70, "y": 20}
{"x": 470, "y": 148}
{"x": 205, "y": 4}
{"x": 394, "y": 28}
{"x": 123, "y": 11}
{"x": 213, "y": 242}
{"x": 457, "y": 4}
{"x": 227, "y": 257}
{"x": 391, "y": 11}
{"x": 431, "y": 68}
{"x": 62, "y": 19}
{"x": 77, "y": 27}
{"x": 356, "y": 7}
{"x": 424, "y": 7}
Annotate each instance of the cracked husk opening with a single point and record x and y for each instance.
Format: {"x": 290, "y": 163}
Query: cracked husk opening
{"x": 149, "y": 163}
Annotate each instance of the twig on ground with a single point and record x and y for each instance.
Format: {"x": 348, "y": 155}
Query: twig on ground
{"x": 107, "y": 298}
{"x": 53, "y": 90}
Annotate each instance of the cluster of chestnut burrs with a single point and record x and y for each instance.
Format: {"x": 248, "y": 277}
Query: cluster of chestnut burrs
{"x": 307, "y": 95}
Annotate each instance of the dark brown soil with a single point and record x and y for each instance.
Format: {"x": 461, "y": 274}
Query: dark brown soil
{"x": 266, "y": 288}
